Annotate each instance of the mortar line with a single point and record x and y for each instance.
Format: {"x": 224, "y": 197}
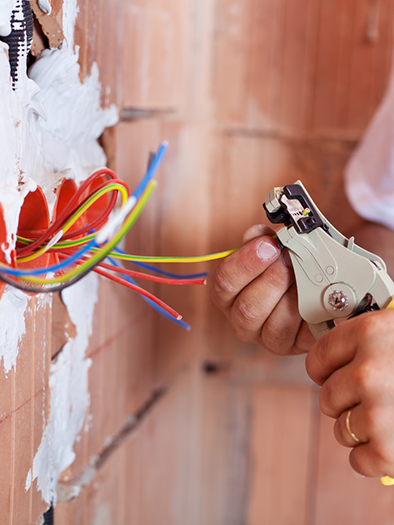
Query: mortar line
{"x": 256, "y": 133}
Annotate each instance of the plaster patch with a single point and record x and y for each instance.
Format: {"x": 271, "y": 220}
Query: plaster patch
{"x": 13, "y": 305}
{"x": 6, "y": 8}
{"x": 28, "y": 481}
{"x": 70, "y": 13}
{"x": 74, "y": 117}
{"x": 48, "y": 129}
{"x": 69, "y": 391}
{"x": 45, "y": 6}
{"x": 21, "y": 151}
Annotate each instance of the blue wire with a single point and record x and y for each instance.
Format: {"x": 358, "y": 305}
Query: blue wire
{"x": 153, "y": 166}
{"x": 169, "y": 274}
{"x": 67, "y": 262}
{"x": 162, "y": 272}
{"x": 151, "y": 303}
{"x": 54, "y": 267}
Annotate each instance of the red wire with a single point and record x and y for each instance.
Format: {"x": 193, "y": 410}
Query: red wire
{"x": 154, "y": 278}
{"x": 141, "y": 275}
{"x": 97, "y": 223}
{"x": 69, "y": 210}
{"x": 141, "y": 291}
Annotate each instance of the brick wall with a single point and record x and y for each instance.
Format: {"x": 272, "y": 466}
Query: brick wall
{"x": 198, "y": 428}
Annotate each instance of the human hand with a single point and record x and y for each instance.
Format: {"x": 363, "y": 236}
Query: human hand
{"x": 354, "y": 365}
{"x": 255, "y": 288}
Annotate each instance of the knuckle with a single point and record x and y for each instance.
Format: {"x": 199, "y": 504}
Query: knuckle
{"x": 371, "y": 418}
{"x": 384, "y": 453}
{"x": 367, "y": 376}
{"x": 242, "y": 335}
{"x": 275, "y": 339}
{"x": 368, "y": 327}
{"x": 277, "y": 277}
{"x": 247, "y": 311}
{"x": 322, "y": 352}
{"x": 222, "y": 282}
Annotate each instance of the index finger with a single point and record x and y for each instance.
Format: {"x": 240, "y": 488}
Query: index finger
{"x": 241, "y": 268}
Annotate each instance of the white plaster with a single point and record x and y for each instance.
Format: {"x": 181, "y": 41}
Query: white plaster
{"x": 45, "y": 6}
{"x": 70, "y": 13}
{"x": 74, "y": 121}
{"x": 69, "y": 391}
{"x": 28, "y": 481}
{"x": 6, "y": 8}
{"x": 21, "y": 151}
{"x": 13, "y": 305}
{"x": 48, "y": 129}
{"x": 10, "y": 139}
{"x": 75, "y": 118}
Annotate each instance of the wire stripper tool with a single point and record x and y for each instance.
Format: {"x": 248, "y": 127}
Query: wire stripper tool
{"x": 335, "y": 277}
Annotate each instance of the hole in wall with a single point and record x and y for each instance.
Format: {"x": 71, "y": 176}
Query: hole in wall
{"x": 211, "y": 367}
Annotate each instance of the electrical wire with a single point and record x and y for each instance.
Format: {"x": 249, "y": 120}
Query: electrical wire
{"x": 81, "y": 246}
{"x": 153, "y": 278}
{"x": 98, "y": 253}
{"x": 69, "y": 207}
{"x": 141, "y": 291}
{"x": 77, "y": 214}
{"x": 154, "y": 163}
{"x": 164, "y": 272}
{"x": 161, "y": 259}
{"x": 155, "y": 306}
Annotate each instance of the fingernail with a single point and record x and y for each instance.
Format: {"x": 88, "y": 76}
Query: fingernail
{"x": 267, "y": 251}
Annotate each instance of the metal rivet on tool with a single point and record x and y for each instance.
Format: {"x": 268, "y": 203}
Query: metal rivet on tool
{"x": 338, "y": 300}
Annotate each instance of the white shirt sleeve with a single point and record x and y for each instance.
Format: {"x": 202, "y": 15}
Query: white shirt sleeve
{"x": 369, "y": 175}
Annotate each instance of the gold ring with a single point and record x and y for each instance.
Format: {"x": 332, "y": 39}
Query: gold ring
{"x": 352, "y": 434}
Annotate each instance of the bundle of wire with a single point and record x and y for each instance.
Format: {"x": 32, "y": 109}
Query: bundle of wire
{"x": 86, "y": 249}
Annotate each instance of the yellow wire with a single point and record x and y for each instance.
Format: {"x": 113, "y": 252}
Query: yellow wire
{"x": 75, "y": 217}
{"x": 95, "y": 198}
{"x": 132, "y": 217}
{"x": 203, "y": 258}
{"x": 98, "y": 252}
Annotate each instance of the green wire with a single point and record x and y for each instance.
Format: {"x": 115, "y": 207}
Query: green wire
{"x": 103, "y": 252}
{"x": 73, "y": 219}
{"x": 203, "y": 258}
